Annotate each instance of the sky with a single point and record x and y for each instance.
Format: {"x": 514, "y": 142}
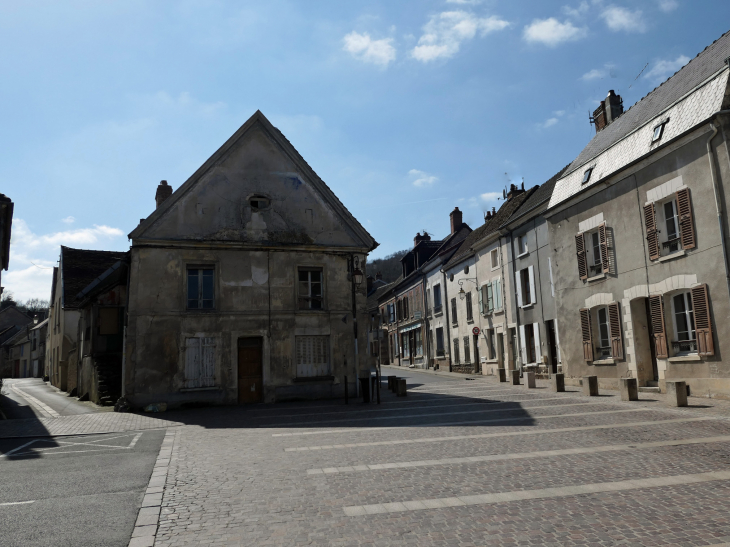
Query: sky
{"x": 406, "y": 108}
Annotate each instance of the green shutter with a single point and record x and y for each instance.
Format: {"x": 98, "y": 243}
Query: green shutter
{"x": 481, "y": 301}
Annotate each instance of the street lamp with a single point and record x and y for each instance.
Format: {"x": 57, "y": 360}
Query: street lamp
{"x": 357, "y": 274}
{"x": 462, "y": 294}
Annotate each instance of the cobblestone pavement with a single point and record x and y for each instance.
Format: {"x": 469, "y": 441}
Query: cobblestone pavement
{"x": 456, "y": 462}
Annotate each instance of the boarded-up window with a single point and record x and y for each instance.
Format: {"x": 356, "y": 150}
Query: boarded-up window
{"x": 313, "y": 356}
{"x": 199, "y": 362}
{"x": 108, "y": 321}
{"x": 456, "y": 351}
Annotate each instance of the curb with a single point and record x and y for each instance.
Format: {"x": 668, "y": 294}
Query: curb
{"x": 148, "y": 518}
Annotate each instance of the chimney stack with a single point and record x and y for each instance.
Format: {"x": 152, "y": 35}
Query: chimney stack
{"x": 456, "y": 222}
{"x": 419, "y": 238}
{"x": 609, "y": 110}
{"x": 515, "y": 190}
{"x": 378, "y": 276}
{"x": 164, "y": 191}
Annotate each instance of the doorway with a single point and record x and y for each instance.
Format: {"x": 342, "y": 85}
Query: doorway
{"x": 250, "y": 370}
{"x": 477, "y": 362}
{"x": 512, "y": 348}
{"x": 553, "y": 346}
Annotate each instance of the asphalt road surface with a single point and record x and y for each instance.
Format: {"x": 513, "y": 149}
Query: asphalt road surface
{"x": 32, "y": 398}
{"x": 81, "y": 491}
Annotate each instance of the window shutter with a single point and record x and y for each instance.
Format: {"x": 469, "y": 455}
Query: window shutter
{"x": 481, "y": 299}
{"x": 585, "y": 327}
{"x": 651, "y": 232}
{"x": 614, "y": 318}
{"x": 519, "y": 288}
{"x": 523, "y": 346}
{"x": 580, "y": 249}
{"x": 192, "y": 362}
{"x": 703, "y": 324}
{"x": 604, "y": 246}
{"x": 686, "y": 224}
{"x": 533, "y": 296}
{"x": 656, "y": 306}
{"x": 490, "y": 298}
{"x": 497, "y": 288}
{"x": 557, "y": 340}
{"x": 536, "y": 332}
{"x": 208, "y": 362}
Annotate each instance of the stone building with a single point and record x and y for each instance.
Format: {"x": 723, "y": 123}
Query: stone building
{"x": 639, "y": 227}
{"x": 246, "y": 283}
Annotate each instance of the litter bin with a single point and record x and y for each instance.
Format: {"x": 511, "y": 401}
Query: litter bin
{"x": 365, "y": 388}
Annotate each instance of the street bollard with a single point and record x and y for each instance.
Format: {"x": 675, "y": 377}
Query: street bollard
{"x": 502, "y": 374}
{"x": 401, "y": 387}
{"x": 676, "y": 393}
{"x": 590, "y": 386}
{"x": 629, "y": 389}
{"x": 558, "y": 382}
{"x": 530, "y": 379}
{"x": 391, "y": 383}
{"x": 515, "y": 377}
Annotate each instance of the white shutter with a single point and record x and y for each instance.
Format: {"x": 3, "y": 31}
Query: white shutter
{"x": 498, "y": 293}
{"x": 192, "y": 362}
{"x": 533, "y": 298}
{"x": 312, "y": 353}
{"x": 523, "y": 354}
{"x": 207, "y": 369}
{"x": 550, "y": 269}
{"x": 519, "y": 288}
{"x": 557, "y": 338}
{"x": 536, "y": 331}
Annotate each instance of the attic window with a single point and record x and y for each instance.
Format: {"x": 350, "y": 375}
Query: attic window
{"x": 587, "y": 175}
{"x": 658, "y": 132}
{"x": 259, "y": 203}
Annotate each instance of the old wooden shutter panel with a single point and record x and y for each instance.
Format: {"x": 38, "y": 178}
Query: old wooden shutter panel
{"x": 656, "y": 306}
{"x": 580, "y": 249}
{"x": 604, "y": 246}
{"x": 703, "y": 324}
{"x": 651, "y": 232}
{"x": 614, "y": 317}
{"x": 585, "y": 327}
{"x": 192, "y": 362}
{"x": 686, "y": 224}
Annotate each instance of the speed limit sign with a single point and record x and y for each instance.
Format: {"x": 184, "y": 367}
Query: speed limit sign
{"x": 475, "y": 331}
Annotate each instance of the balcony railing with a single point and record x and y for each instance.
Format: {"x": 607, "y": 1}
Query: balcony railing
{"x": 436, "y": 310}
{"x": 671, "y": 245}
{"x": 596, "y": 268}
{"x": 604, "y": 353}
{"x": 684, "y": 346}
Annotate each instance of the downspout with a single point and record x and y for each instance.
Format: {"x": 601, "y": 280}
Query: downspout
{"x": 445, "y": 304}
{"x": 124, "y": 332}
{"x": 513, "y": 279}
{"x": 718, "y": 200}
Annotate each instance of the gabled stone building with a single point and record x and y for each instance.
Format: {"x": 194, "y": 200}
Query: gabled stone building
{"x": 246, "y": 283}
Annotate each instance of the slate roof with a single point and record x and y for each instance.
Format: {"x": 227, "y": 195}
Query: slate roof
{"x": 80, "y": 267}
{"x": 372, "y": 302}
{"x": 691, "y": 95}
{"x": 507, "y": 209}
{"x": 540, "y": 196}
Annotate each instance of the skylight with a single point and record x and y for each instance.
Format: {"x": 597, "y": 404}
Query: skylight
{"x": 587, "y": 175}
{"x": 658, "y": 132}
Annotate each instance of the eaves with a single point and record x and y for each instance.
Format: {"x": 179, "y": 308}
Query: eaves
{"x": 223, "y": 245}
{"x": 536, "y": 211}
{"x": 631, "y": 168}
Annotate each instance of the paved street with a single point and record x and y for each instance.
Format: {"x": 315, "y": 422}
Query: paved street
{"x": 28, "y": 398}
{"x": 457, "y": 462}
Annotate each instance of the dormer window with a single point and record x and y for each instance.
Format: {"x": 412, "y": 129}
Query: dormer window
{"x": 587, "y": 175}
{"x": 259, "y": 203}
{"x": 658, "y": 132}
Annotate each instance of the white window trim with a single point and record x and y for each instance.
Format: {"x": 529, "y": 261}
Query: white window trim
{"x": 491, "y": 262}
{"x": 527, "y": 248}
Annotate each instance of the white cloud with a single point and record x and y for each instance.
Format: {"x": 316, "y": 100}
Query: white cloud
{"x": 554, "y": 119}
{"x": 362, "y": 47}
{"x": 623, "y": 19}
{"x": 32, "y": 256}
{"x": 578, "y": 12}
{"x": 490, "y": 197}
{"x": 664, "y": 68}
{"x": 444, "y": 33}
{"x": 68, "y": 220}
{"x": 463, "y": 2}
{"x": 668, "y": 5}
{"x": 421, "y": 178}
{"x": 552, "y": 32}
{"x": 608, "y": 71}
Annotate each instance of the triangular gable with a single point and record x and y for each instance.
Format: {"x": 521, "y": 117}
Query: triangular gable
{"x": 214, "y": 203}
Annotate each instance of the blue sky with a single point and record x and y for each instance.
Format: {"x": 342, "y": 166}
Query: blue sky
{"x": 405, "y": 108}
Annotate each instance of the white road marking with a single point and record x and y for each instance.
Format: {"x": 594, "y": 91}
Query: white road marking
{"x": 543, "y": 493}
{"x": 485, "y": 435}
{"x": 17, "y": 502}
{"x": 517, "y": 455}
{"x": 53, "y": 450}
{"x": 42, "y": 407}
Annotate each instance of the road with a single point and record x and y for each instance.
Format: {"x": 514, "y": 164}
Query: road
{"x": 24, "y": 398}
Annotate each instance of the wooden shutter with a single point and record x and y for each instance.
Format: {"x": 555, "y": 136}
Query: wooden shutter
{"x": 192, "y": 362}
{"x": 651, "y": 232}
{"x": 614, "y": 318}
{"x": 523, "y": 344}
{"x": 703, "y": 324}
{"x": 656, "y": 306}
{"x": 580, "y": 249}
{"x": 604, "y": 246}
{"x": 585, "y": 327}
{"x": 686, "y": 224}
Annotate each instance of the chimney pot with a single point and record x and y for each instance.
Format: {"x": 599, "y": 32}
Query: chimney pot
{"x": 456, "y": 220}
{"x": 164, "y": 191}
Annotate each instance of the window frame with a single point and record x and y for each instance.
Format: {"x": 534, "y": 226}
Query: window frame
{"x": 660, "y": 130}
{"x": 664, "y": 223}
{"x": 689, "y": 318}
{"x": 200, "y": 268}
{"x": 492, "y": 254}
{"x": 587, "y": 175}
{"x": 522, "y": 248}
{"x": 309, "y": 297}
{"x": 602, "y": 352}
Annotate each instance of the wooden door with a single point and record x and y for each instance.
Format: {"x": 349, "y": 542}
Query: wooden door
{"x": 250, "y": 370}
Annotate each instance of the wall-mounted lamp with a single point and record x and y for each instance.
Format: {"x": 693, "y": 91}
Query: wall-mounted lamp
{"x": 357, "y": 274}
{"x": 462, "y": 294}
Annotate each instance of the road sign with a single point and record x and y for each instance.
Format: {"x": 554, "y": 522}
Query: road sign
{"x": 475, "y": 331}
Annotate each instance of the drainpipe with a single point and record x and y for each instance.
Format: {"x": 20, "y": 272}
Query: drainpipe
{"x": 718, "y": 201}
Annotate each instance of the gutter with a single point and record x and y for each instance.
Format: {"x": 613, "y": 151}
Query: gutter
{"x": 718, "y": 196}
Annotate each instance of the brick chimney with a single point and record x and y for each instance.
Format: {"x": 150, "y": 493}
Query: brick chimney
{"x": 515, "y": 190}
{"x": 456, "y": 221}
{"x": 164, "y": 191}
{"x": 609, "y": 109}
{"x": 419, "y": 238}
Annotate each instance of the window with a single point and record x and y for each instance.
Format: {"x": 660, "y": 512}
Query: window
{"x": 436, "y": 298}
{"x": 456, "y": 351}
{"x": 310, "y": 288}
{"x": 671, "y": 243}
{"x": 453, "y": 311}
{"x": 199, "y": 362}
{"x": 439, "y": 341}
{"x": 522, "y": 245}
{"x": 418, "y": 342}
{"x": 670, "y": 225}
{"x": 658, "y": 132}
{"x": 405, "y": 307}
{"x": 587, "y": 175}
{"x": 528, "y": 344}
{"x": 200, "y": 288}
{"x": 469, "y": 312}
{"x": 467, "y": 357}
{"x": 259, "y": 203}
{"x": 391, "y": 313}
{"x": 604, "y": 339}
{"x": 494, "y": 257}
{"x": 466, "y": 269}
{"x": 312, "y": 354}
{"x": 492, "y": 344}
{"x": 684, "y": 324}
{"x": 525, "y": 287}
{"x": 404, "y": 345}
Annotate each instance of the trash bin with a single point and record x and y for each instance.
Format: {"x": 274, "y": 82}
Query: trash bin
{"x": 365, "y": 388}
